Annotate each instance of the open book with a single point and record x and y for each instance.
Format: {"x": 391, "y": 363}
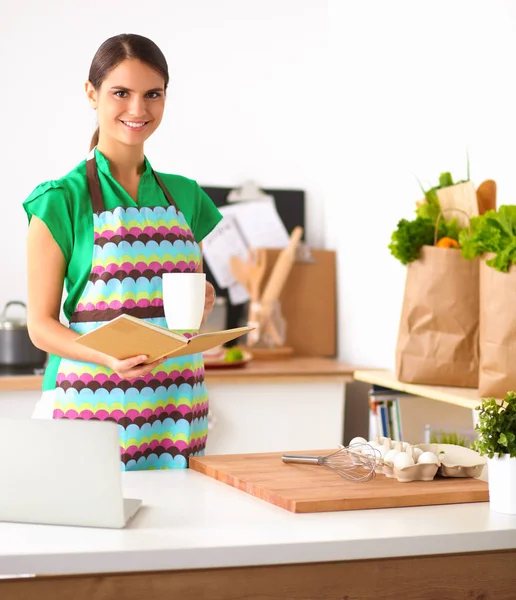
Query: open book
{"x": 127, "y": 336}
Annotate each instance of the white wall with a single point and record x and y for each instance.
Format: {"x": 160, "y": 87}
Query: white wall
{"x": 414, "y": 85}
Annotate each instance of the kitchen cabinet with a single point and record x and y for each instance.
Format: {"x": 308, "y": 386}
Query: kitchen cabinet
{"x": 195, "y": 537}
{"x": 268, "y": 406}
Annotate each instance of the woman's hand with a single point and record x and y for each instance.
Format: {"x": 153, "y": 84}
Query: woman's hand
{"x": 209, "y": 300}
{"x": 131, "y": 368}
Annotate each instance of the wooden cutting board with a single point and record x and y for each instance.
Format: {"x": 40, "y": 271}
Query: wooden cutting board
{"x": 312, "y": 488}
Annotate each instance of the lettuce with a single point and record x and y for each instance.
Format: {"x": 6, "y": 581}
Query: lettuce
{"x": 410, "y": 236}
{"x": 494, "y": 231}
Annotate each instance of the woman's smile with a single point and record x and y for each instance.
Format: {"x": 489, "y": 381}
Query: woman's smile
{"x": 135, "y": 125}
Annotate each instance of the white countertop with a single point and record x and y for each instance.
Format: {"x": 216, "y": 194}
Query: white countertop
{"x": 189, "y": 521}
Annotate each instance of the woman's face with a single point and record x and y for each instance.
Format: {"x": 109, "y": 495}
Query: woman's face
{"x": 129, "y": 103}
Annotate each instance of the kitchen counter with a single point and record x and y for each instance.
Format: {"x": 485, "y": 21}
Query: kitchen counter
{"x": 243, "y": 401}
{"x": 191, "y": 522}
{"x": 296, "y": 369}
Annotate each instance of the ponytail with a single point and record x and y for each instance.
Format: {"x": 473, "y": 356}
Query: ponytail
{"x": 94, "y": 139}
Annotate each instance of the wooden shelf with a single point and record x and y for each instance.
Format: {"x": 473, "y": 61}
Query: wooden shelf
{"x": 466, "y": 397}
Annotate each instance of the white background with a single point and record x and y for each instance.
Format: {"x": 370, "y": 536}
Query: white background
{"x": 348, "y": 100}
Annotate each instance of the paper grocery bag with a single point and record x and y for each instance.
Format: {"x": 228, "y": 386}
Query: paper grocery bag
{"x": 438, "y": 332}
{"x": 497, "y": 373}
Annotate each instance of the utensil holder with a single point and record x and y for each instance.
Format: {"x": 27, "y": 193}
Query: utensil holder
{"x": 270, "y": 326}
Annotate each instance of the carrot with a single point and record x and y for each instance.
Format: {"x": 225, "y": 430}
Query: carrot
{"x": 447, "y": 242}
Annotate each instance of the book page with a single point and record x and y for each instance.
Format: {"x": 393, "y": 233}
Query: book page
{"x": 206, "y": 341}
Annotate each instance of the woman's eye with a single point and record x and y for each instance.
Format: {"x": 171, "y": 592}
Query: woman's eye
{"x": 121, "y": 94}
{"x": 153, "y": 95}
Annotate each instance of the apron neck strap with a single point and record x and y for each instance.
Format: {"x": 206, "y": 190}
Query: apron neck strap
{"x": 96, "y": 195}
{"x": 165, "y": 191}
{"x": 94, "y": 185}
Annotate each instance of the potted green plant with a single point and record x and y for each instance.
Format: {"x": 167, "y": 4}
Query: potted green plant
{"x": 497, "y": 441}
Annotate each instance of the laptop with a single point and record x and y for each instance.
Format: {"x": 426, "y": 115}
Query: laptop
{"x": 62, "y": 472}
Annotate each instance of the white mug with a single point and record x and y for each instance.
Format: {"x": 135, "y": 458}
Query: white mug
{"x": 183, "y": 299}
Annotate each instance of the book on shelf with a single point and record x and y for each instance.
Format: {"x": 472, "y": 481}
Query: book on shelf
{"x": 384, "y": 417}
{"x": 127, "y": 336}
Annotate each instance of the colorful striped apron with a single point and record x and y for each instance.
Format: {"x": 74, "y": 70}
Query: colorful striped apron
{"x": 162, "y": 417}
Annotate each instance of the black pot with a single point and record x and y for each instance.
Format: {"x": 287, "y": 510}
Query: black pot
{"x": 16, "y": 348}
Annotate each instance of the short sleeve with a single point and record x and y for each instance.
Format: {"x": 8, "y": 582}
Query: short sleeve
{"x": 49, "y": 203}
{"x": 206, "y": 214}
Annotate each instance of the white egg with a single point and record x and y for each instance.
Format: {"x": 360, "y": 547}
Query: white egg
{"x": 402, "y": 460}
{"x": 382, "y": 450}
{"x": 358, "y": 440}
{"x": 389, "y": 457}
{"x": 427, "y": 458}
{"x": 417, "y": 452}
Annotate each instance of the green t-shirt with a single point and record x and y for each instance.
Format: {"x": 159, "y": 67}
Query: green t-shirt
{"x": 64, "y": 205}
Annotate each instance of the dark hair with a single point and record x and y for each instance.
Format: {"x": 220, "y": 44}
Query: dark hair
{"x": 118, "y": 48}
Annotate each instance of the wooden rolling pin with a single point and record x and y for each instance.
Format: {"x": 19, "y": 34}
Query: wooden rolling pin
{"x": 279, "y": 275}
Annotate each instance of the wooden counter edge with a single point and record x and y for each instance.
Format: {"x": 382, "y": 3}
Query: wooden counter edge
{"x": 18, "y": 383}
{"x": 487, "y": 574}
{"x": 294, "y": 370}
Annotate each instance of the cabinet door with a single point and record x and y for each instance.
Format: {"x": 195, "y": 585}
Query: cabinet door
{"x": 18, "y": 404}
{"x": 275, "y": 417}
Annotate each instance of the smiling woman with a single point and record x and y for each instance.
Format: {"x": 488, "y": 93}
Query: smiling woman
{"x": 109, "y": 231}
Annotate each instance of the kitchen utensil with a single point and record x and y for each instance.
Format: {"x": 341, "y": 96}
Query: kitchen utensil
{"x": 486, "y": 196}
{"x": 306, "y": 489}
{"x": 348, "y": 462}
{"x": 279, "y": 275}
{"x": 250, "y": 274}
{"x": 256, "y": 265}
{"x": 16, "y": 347}
{"x": 240, "y": 271}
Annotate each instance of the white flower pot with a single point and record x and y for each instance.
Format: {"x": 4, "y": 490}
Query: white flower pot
{"x": 502, "y": 484}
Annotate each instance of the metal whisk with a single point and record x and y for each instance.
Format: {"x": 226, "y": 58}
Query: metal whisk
{"x": 355, "y": 463}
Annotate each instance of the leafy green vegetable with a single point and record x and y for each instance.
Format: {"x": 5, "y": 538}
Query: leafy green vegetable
{"x": 497, "y": 427}
{"x": 431, "y": 208}
{"x": 492, "y": 232}
{"x": 410, "y": 236}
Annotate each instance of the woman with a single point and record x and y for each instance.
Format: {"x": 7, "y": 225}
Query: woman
{"x": 109, "y": 230}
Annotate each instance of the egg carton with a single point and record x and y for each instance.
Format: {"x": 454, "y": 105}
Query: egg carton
{"x": 456, "y": 461}
{"x": 422, "y": 461}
